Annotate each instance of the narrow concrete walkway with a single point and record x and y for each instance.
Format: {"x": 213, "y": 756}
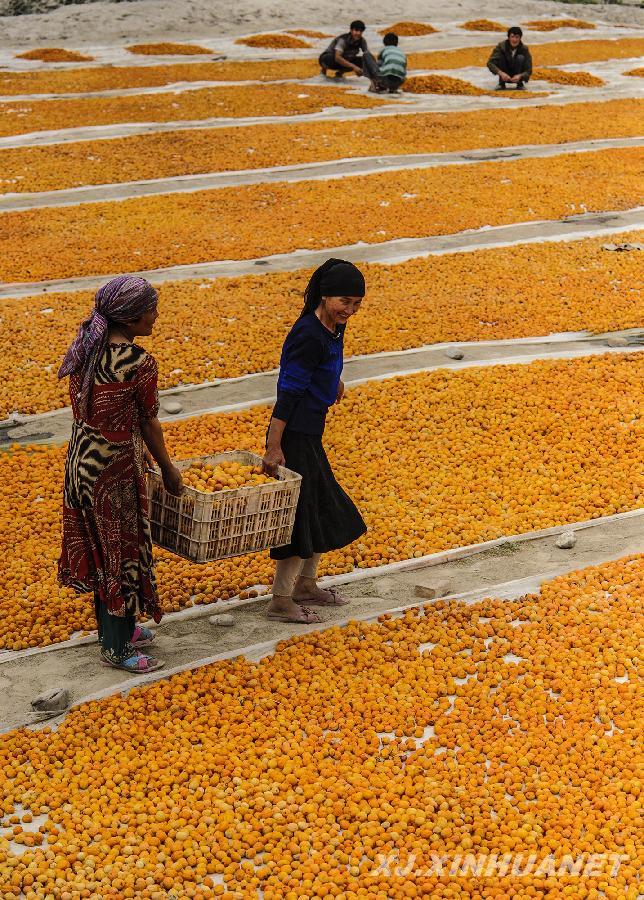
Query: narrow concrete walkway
{"x": 253, "y": 390}
{"x": 186, "y": 643}
{"x": 322, "y": 171}
{"x": 541, "y": 231}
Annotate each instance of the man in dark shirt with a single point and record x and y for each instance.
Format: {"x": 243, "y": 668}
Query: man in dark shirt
{"x": 343, "y": 54}
{"x": 511, "y": 61}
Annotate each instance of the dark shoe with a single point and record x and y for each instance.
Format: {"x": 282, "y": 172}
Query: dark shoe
{"x": 520, "y": 86}
{"x": 500, "y": 86}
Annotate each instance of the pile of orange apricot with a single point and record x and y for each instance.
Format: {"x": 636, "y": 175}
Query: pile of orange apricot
{"x": 273, "y": 41}
{"x": 240, "y": 223}
{"x": 482, "y": 25}
{"x": 167, "y": 48}
{"x": 433, "y": 461}
{"x": 410, "y": 29}
{"x": 228, "y": 101}
{"x": 192, "y": 151}
{"x": 353, "y": 761}
{"x": 440, "y": 84}
{"x": 224, "y": 476}
{"x": 567, "y": 286}
{"x": 104, "y": 78}
{"x": 54, "y": 54}
{"x": 308, "y": 32}
{"x": 445, "y": 84}
{"x": 557, "y": 53}
{"x": 554, "y": 24}
{"x": 560, "y": 76}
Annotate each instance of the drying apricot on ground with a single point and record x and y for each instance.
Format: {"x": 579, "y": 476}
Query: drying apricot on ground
{"x": 358, "y": 762}
{"x": 559, "y": 76}
{"x": 193, "y": 151}
{"x": 274, "y": 41}
{"x": 440, "y": 84}
{"x": 557, "y": 53}
{"x": 306, "y": 32}
{"x": 482, "y": 25}
{"x": 238, "y": 101}
{"x": 54, "y": 54}
{"x": 554, "y": 24}
{"x": 410, "y": 29}
{"x": 107, "y": 78}
{"x": 457, "y": 458}
{"x": 240, "y": 222}
{"x": 167, "y": 49}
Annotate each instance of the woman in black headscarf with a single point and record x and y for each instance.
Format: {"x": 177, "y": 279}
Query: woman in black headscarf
{"x": 309, "y": 383}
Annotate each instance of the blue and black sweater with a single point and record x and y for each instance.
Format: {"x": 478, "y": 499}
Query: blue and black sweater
{"x": 310, "y": 370}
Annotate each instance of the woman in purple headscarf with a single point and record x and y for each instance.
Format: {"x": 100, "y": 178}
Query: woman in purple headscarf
{"x": 107, "y": 547}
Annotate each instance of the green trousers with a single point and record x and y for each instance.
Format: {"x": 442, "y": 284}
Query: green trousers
{"x": 114, "y": 632}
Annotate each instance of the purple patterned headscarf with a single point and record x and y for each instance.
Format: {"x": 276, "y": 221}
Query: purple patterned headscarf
{"x": 123, "y": 299}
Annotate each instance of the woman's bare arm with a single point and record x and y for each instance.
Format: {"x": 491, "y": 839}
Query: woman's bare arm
{"x": 152, "y": 435}
{"x": 274, "y": 455}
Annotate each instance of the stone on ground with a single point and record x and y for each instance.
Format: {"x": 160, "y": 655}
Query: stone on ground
{"x": 566, "y": 540}
{"x": 224, "y": 621}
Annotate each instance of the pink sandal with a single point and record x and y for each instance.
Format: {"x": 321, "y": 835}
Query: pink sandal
{"x": 142, "y": 637}
{"x": 137, "y": 664}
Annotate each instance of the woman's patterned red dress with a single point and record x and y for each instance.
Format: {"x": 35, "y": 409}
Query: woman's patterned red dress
{"x": 107, "y": 546}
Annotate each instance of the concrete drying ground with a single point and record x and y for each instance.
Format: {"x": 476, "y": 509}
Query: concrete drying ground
{"x": 189, "y": 641}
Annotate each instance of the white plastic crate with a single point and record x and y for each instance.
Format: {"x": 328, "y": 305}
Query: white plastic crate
{"x": 206, "y": 526}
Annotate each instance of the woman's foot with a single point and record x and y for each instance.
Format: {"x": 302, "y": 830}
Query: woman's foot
{"x": 136, "y": 664}
{"x": 308, "y": 591}
{"x": 142, "y": 637}
{"x": 284, "y": 609}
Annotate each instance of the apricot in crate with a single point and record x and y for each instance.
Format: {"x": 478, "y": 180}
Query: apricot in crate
{"x": 208, "y": 478}
{"x": 228, "y": 507}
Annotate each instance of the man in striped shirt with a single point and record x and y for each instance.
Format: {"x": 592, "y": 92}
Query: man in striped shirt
{"x": 392, "y": 64}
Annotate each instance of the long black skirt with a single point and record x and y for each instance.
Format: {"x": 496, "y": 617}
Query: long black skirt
{"x": 326, "y": 517}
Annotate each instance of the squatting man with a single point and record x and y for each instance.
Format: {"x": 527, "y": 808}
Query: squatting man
{"x": 511, "y": 61}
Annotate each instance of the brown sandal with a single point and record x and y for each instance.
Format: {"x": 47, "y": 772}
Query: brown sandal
{"x": 308, "y": 617}
{"x": 336, "y": 599}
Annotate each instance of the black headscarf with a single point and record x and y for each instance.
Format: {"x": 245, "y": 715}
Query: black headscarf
{"x": 334, "y": 278}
